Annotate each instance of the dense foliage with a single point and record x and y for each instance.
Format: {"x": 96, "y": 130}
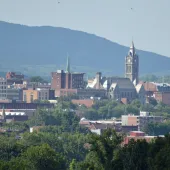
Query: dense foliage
{"x": 60, "y": 143}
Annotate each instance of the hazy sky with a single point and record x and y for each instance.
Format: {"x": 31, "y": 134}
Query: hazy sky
{"x": 148, "y": 23}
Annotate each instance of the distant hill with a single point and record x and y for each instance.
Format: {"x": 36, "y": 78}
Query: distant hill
{"x": 40, "y": 50}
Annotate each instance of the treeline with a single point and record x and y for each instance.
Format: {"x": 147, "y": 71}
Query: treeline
{"x": 106, "y": 109}
{"x": 155, "y": 78}
{"x": 65, "y": 151}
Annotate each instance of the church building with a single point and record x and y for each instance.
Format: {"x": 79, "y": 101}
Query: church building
{"x": 121, "y": 88}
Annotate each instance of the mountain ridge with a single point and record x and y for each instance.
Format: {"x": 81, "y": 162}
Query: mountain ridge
{"x": 45, "y": 45}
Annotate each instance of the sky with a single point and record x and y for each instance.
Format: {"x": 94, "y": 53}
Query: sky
{"x": 144, "y": 21}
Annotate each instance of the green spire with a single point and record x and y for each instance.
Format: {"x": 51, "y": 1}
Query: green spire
{"x": 68, "y": 65}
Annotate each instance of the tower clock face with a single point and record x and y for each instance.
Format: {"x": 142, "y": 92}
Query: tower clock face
{"x": 129, "y": 60}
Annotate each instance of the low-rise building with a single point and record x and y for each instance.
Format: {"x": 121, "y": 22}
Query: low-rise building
{"x": 98, "y": 126}
{"x": 159, "y": 91}
{"x": 81, "y": 93}
{"x": 30, "y": 95}
{"x": 14, "y": 93}
{"x": 138, "y": 135}
{"x": 140, "y": 120}
{"x": 87, "y": 102}
{"x": 13, "y": 116}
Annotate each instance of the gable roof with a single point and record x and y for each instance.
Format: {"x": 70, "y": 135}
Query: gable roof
{"x": 93, "y": 84}
{"x": 123, "y": 83}
{"x": 138, "y": 87}
{"x": 101, "y": 126}
{"x": 113, "y": 85}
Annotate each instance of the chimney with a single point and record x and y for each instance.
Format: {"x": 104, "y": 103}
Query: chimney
{"x": 98, "y": 78}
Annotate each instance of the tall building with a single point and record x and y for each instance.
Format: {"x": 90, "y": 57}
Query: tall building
{"x": 132, "y": 65}
{"x": 66, "y": 79}
{"x": 3, "y": 89}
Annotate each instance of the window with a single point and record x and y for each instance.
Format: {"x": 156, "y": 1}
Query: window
{"x": 31, "y": 98}
{"x": 25, "y": 98}
{"x": 46, "y": 96}
{"x": 128, "y": 69}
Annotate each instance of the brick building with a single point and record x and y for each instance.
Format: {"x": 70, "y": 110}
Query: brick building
{"x": 138, "y": 135}
{"x": 14, "y": 78}
{"x": 163, "y": 97}
{"x": 87, "y": 102}
{"x": 65, "y": 82}
{"x": 140, "y": 120}
{"x": 159, "y": 91}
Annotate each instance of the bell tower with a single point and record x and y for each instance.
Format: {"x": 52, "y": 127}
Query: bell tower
{"x": 132, "y": 65}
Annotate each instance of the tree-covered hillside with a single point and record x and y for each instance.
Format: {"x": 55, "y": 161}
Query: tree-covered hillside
{"x": 40, "y": 50}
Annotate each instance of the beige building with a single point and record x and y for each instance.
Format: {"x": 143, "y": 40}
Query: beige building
{"x": 140, "y": 120}
{"x": 30, "y": 95}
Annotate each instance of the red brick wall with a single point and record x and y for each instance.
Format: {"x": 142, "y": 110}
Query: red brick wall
{"x": 137, "y": 133}
{"x": 66, "y": 80}
{"x": 163, "y": 97}
{"x": 56, "y": 81}
{"x": 132, "y": 120}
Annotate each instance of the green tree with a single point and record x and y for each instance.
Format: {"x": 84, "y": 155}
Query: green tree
{"x": 43, "y": 157}
{"x": 102, "y": 150}
{"x": 134, "y": 155}
{"x": 37, "y": 79}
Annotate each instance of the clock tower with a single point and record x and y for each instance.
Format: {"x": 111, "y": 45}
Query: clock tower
{"x": 132, "y": 65}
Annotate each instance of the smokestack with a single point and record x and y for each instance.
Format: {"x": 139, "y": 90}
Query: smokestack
{"x": 98, "y": 78}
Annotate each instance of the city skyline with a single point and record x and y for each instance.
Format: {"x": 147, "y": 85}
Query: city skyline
{"x": 117, "y": 21}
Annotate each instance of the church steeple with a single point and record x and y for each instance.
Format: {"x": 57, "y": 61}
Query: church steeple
{"x": 68, "y": 65}
{"x": 132, "y": 65}
{"x": 132, "y": 45}
{"x": 132, "y": 49}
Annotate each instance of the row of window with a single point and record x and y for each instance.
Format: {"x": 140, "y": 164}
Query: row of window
{"x": 3, "y": 87}
{"x": 2, "y": 83}
{"x": 127, "y": 94}
{"x": 3, "y": 95}
{"x": 32, "y": 98}
{"x": 3, "y": 91}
